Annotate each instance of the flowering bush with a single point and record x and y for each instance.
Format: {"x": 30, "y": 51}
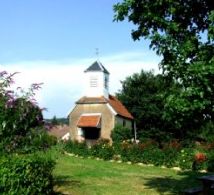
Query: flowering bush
{"x": 147, "y": 153}
{"x": 173, "y": 144}
{"x": 102, "y": 150}
{"x": 185, "y": 158}
{"x": 200, "y": 157}
{"x": 19, "y": 114}
{"x": 22, "y": 131}
{"x": 199, "y": 161}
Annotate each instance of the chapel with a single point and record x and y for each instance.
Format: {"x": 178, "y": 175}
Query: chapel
{"x": 97, "y": 112}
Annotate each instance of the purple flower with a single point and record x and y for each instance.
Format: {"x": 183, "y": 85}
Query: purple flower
{"x": 3, "y": 73}
{"x": 10, "y": 103}
{"x": 33, "y": 101}
{"x": 9, "y": 94}
{"x": 36, "y": 86}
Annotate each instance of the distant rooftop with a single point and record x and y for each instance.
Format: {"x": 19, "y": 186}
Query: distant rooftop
{"x": 97, "y": 66}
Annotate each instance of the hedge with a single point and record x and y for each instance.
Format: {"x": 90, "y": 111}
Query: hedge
{"x": 26, "y": 174}
{"x": 171, "y": 155}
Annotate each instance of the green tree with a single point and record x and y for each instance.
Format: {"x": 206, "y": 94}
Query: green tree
{"x": 54, "y": 121}
{"x": 182, "y": 32}
{"x": 144, "y": 95}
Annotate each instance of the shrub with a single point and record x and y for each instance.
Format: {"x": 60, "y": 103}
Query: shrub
{"x": 26, "y": 174}
{"x": 147, "y": 153}
{"x": 102, "y": 149}
{"x": 210, "y": 161}
{"x": 38, "y": 139}
{"x": 170, "y": 156}
{"x": 21, "y": 131}
{"x": 136, "y": 154}
{"x": 153, "y": 156}
{"x": 185, "y": 158}
{"x": 200, "y": 157}
{"x": 76, "y": 148}
{"x": 34, "y": 140}
{"x": 121, "y": 133}
{"x": 171, "y": 151}
{"x": 199, "y": 161}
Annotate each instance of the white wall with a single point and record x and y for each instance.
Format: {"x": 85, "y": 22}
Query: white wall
{"x": 99, "y": 89}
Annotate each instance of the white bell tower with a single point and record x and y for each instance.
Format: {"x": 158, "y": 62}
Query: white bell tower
{"x": 96, "y": 81}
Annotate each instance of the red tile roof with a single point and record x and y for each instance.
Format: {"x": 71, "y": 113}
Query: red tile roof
{"x": 118, "y": 107}
{"x": 89, "y": 121}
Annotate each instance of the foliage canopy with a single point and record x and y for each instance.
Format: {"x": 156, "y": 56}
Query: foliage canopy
{"x": 144, "y": 95}
{"x": 182, "y": 32}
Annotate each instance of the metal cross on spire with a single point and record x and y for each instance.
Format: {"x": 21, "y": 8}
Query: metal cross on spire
{"x": 97, "y": 53}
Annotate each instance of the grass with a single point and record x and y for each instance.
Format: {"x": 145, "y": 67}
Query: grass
{"x": 88, "y": 176}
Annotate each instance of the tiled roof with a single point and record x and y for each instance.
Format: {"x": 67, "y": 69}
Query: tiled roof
{"x": 97, "y": 66}
{"x": 118, "y": 107}
{"x": 89, "y": 121}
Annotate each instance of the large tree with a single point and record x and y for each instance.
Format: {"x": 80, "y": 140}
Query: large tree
{"x": 144, "y": 95}
{"x": 182, "y": 32}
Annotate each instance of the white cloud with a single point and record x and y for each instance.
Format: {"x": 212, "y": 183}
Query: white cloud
{"x": 63, "y": 80}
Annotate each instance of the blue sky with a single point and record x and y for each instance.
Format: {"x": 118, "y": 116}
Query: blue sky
{"x": 54, "y": 41}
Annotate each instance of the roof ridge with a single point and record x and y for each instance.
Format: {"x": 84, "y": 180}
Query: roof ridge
{"x": 100, "y": 64}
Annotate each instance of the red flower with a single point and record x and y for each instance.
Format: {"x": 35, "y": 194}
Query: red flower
{"x": 200, "y": 157}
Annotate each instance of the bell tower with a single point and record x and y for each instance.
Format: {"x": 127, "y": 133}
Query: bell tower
{"x": 96, "y": 81}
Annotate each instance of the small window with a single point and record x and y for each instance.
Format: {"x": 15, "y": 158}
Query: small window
{"x": 93, "y": 82}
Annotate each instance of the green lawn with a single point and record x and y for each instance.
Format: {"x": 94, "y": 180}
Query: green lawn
{"x": 89, "y": 176}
